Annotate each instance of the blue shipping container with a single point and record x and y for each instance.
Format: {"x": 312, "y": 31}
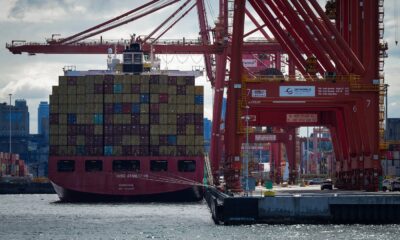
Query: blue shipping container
{"x": 117, "y": 107}
{"x": 171, "y": 140}
{"x": 198, "y": 99}
{"x": 108, "y": 150}
{"x": 71, "y": 118}
{"x": 135, "y": 108}
{"x": 144, "y": 98}
{"x": 98, "y": 118}
{"x": 117, "y": 88}
{"x": 80, "y": 150}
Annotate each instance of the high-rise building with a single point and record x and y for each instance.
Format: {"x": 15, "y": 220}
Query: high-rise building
{"x": 43, "y": 118}
{"x": 19, "y": 119}
{"x": 207, "y": 133}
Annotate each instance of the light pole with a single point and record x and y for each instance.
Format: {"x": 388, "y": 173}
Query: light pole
{"x": 386, "y": 123}
{"x": 246, "y": 164}
{"x": 10, "y": 125}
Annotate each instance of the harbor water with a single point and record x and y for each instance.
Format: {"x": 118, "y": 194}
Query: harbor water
{"x": 43, "y": 217}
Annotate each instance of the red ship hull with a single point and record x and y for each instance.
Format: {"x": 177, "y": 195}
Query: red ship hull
{"x": 144, "y": 184}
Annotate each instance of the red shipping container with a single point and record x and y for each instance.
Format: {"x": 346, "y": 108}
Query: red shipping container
{"x": 135, "y": 88}
{"x": 154, "y": 108}
{"x": 89, "y": 140}
{"x": 108, "y": 108}
{"x": 53, "y": 150}
{"x": 71, "y": 81}
{"x": 117, "y": 140}
{"x": 163, "y": 98}
{"x": 389, "y": 155}
{"x": 126, "y": 150}
{"x": 71, "y": 140}
{"x": 89, "y": 130}
{"x": 181, "y": 119}
{"x": 109, "y": 79}
{"x": 172, "y": 80}
{"x": 81, "y": 130}
{"x": 98, "y": 88}
{"x": 126, "y": 107}
{"x": 189, "y": 80}
{"x": 154, "y": 79}
{"x": 117, "y": 129}
{"x": 189, "y": 118}
{"x": 163, "y": 140}
{"x": 135, "y": 118}
{"x": 198, "y": 130}
{"x": 109, "y": 88}
{"x": 135, "y": 129}
{"x": 53, "y": 118}
{"x": 198, "y": 119}
{"x": 181, "y": 90}
{"x": 108, "y": 119}
{"x": 126, "y": 129}
{"x": 154, "y": 118}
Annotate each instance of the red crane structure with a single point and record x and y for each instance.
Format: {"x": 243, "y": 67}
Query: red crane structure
{"x": 335, "y": 74}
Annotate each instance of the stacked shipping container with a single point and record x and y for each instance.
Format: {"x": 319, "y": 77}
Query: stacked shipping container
{"x": 12, "y": 166}
{"x": 126, "y": 115}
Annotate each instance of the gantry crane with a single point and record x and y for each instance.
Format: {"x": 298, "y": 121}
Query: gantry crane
{"x": 335, "y": 73}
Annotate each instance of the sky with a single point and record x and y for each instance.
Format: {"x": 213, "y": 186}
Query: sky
{"x": 31, "y": 77}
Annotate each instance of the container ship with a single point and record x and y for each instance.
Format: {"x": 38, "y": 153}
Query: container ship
{"x": 127, "y": 134}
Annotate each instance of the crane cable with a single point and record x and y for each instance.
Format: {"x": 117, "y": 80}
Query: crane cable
{"x": 396, "y": 22}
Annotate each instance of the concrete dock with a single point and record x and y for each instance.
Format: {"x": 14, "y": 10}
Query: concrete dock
{"x": 305, "y": 205}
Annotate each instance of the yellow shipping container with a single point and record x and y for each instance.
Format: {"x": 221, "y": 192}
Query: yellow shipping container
{"x": 80, "y": 140}
{"x": 172, "y": 119}
{"x": 144, "y": 108}
{"x": 80, "y": 98}
{"x": 163, "y": 88}
{"x": 80, "y": 89}
{"x": 172, "y": 99}
{"x": 55, "y": 90}
{"x": 172, "y": 108}
{"x": 164, "y": 151}
{"x": 163, "y": 118}
{"x": 155, "y": 129}
{"x": 118, "y": 79}
{"x": 199, "y": 150}
{"x": 126, "y": 98}
{"x": 126, "y": 119}
{"x": 117, "y": 98}
{"x": 89, "y": 89}
{"x": 189, "y": 99}
{"x": 189, "y": 108}
{"x": 135, "y": 79}
{"x": 154, "y": 98}
{"x": 62, "y": 80}
{"x": 71, "y": 90}
{"x": 199, "y": 141}
{"x": 62, "y": 139}
{"x": 181, "y": 80}
{"x": 171, "y": 129}
{"x": 108, "y": 98}
{"x": 98, "y": 129}
{"x": 181, "y": 140}
{"x": 135, "y": 140}
{"x": 180, "y": 108}
{"x": 189, "y": 90}
{"x": 144, "y": 119}
{"x": 98, "y": 108}
{"x": 199, "y": 90}
{"x": 53, "y": 128}
{"x": 163, "y": 79}
{"x": 89, "y": 98}
{"x": 117, "y": 150}
{"x": 144, "y": 88}
{"x": 171, "y": 150}
{"x": 163, "y": 109}
{"x": 189, "y": 140}
{"x": 81, "y": 119}
{"x": 63, "y": 108}
{"x": 54, "y": 108}
{"x": 53, "y": 140}
{"x": 62, "y": 119}
{"x": 126, "y": 140}
{"x": 98, "y": 98}
{"x": 154, "y": 88}
{"x": 63, "y": 150}
{"x": 190, "y": 151}
{"x": 198, "y": 108}
{"x": 53, "y": 99}
{"x": 72, "y": 99}
{"x": 63, "y": 90}
{"x": 190, "y": 130}
{"x": 154, "y": 139}
{"x": 163, "y": 129}
{"x": 98, "y": 79}
{"x": 172, "y": 90}
{"x": 71, "y": 108}
{"x": 118, "y": 119}
{"x": 135, "y": 98}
